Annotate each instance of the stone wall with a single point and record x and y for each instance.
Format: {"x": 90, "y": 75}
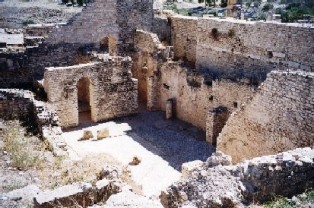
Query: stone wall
{"x": 162, "y": 27}
{"x": 184, "y": 38}
{"x": 240, "y": 49}
{"x": 217, "y": 183}
{"x": 193, "y": 93}
{"x": 13, "y": 72}
{"x": 149, "y": 53}
{"x": 194, "y": 97}
{"x": 113, "y": 92}
{"x": 280, "y": 117}
{"x": 70, "y": 44}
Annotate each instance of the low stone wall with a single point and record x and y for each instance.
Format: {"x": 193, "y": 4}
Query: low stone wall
{"x": 280, "y": 117}
{"x": 217, "y": 183}
{"x": 38, "y": 116}
{"x": 111, "y": 88}
{"x": 79, "y": 194}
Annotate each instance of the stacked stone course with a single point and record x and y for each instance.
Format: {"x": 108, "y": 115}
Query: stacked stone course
{"x": 113, "y": 92}
{"x": 242, "y": 49}
{"x": 217, "y": 183}
{"x": 279, "y": 117}
{"x": 39, "y": 116}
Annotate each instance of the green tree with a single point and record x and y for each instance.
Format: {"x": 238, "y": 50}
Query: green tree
{"x": 267, "y": 7}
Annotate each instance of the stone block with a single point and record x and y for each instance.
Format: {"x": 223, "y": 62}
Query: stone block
{"x": 87, "y": 134}
{"x": 103, "y": 133}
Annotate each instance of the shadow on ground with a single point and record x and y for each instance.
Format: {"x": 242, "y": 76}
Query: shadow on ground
{"x": 175, "y": 141}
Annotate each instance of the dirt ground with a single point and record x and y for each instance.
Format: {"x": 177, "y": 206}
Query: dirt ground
{"x": 162, "y": 146}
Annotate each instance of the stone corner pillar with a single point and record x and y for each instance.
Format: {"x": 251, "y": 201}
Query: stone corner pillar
{"x": 169, "y": 109}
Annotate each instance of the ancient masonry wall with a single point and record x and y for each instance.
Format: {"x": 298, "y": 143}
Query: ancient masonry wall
{"x": 40, "y": 117}
{"x": 193, "y": 95}
{"x": 113, "y": 92}
{"x": 13, "y": 72}
{"x": 162, "y": 27}
{"x": 258, "y": 180}
{"x": 145, "y": 62}
{"x": 280, "y": 117}
{"x": 68, "y": 45}
{"x": 184, "y": 39}
{"x": 242, "y": 50}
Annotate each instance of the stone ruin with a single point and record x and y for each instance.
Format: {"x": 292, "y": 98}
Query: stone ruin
{"x": 248, "y": 85}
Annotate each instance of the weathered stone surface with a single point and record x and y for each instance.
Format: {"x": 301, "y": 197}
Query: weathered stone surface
{"x": 87, "y": 134}
{"x": 103, "y": 133}
{"x": 252, "y": 48}
{"x": 280, "y": 117}
{"x": 188, "y": 167}
{"x": 111, "y": 90}
{"x": 79, "y": 194}
{"x": 213, "y": 184}
{"x": 135, "y": 161}
{"x": 117, "y": 19}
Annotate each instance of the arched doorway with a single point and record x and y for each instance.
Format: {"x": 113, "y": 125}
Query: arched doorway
{"x": 84, "y": 100}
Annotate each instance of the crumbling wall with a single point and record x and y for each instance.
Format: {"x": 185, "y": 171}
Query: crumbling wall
{"x": 242, "y": 50}
{"x": 193, "y": 93}
{"x": 13, "y": 72}
{"x": 145, "y": 62}
{"x": 217, "y": 183}
{"x": 194, "y": 97}
{"x": 280, "y": 117}
{"x": 70, "y": 44}
{"x": 162, "y": 27}
{"x": 184, "y": 39}
{"x": 113, "y": 92}
{"x": 22, "y": 105}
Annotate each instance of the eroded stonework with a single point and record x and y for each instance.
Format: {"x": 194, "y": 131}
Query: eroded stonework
{"x": 111, "y": 90}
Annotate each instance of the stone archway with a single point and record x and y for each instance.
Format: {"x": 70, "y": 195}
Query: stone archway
{"x": 84, "y": 100}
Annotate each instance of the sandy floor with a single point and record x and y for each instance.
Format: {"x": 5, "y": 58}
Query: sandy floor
{"x": 162, "y": 146}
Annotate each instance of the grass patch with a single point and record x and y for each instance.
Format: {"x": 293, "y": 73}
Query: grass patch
{"x": 24, "y": 150}
{"x": 280, "y": 202}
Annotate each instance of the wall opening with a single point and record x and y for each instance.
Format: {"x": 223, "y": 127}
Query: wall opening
{"x": 108, "y": 45}
{"x": 84, "y": 100}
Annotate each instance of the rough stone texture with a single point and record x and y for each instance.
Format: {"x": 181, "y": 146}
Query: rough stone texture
{"x": 80, "y": 194}
{"x": 216, "y": 183}
{"x": 39, "y": 116}
{"x": 242, "y": 49}
{"x": 193, "y": 94}
{"x": 184, "y": 38}
{"x": 162, "y": 27}
{"x": 13, "y": 71}
{"x": 150, "y": 51}
{"x": 169, "y": 109}
{"x": 112, "y": 91}
{"x": 280, "y": 117}
{"x": 216, "y": 120}
{"x": 116, "y": 19}
{"x": 103, "y": 133}
{"x": 87, "y": 134}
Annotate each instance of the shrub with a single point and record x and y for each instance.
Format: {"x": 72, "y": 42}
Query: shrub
{"x": 21, "y": 148}
{"x": 27, "y": 22}
{"x": 215, "y": 33}
{"x": 231, "y": 33}
{"x": 267, "y": 7}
